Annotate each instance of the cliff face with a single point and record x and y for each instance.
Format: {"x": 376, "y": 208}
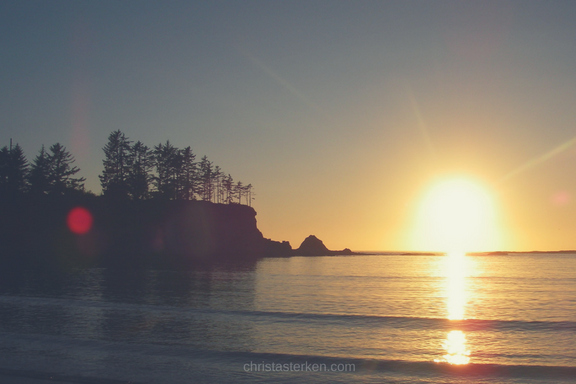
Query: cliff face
{"x": 204, "y": 231}
{"x": 131, "y": 234}
{"x": 178, "y": 234}
{"x": 36, "y": 232}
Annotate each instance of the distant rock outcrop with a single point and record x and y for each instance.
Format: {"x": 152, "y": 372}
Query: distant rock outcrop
{"x": 313, "y": 246}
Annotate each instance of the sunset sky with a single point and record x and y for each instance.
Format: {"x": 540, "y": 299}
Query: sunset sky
{"x": 344, "y": 115}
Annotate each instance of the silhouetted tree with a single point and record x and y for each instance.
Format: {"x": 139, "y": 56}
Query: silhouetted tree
{"x": 13, "y": 170}
{"x": 248, "y": 194}
{"x": 141, "y": 164}
{"x": 239, "y": 191}
{"x": 39, "y": 175}
{"x": 188, "y": 175}
{"x": 61, "y": 171}
{"x": 228, "y": 188}
{"x": 168, "y": 164}
{"x": 206, "y": 176}
{"x": 117, "y": 165}
{"x": 217, "y": 184}
{"x": 213, "y": 183}
{"x": 165, "y": 171}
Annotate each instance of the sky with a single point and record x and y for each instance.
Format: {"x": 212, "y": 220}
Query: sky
{"x": 343, "y": 115}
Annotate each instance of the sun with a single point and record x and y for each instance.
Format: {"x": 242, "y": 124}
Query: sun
{"x": 456, "y": 215}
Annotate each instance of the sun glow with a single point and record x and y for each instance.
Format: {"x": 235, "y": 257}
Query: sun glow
{"x": 456, "y": 215}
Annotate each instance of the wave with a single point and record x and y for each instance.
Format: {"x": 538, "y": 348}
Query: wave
{"x": 423, "y": 368}
{"x": 429, "y": 322}
{"x": 233, "y": 361}
{"x": 404, "y": 322}
{"x": 10, "y": 374}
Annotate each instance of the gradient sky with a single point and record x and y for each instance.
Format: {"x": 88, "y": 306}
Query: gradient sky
{"x": 342, "y": 114}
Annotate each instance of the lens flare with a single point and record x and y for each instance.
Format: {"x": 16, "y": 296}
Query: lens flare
{"x": 79, "y": 220}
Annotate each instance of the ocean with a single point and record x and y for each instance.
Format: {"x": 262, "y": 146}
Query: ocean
{"x": 338, "y": 319}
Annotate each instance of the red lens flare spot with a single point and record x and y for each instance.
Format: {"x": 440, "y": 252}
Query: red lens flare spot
{"x": 79, "y": 220}
{"x": 561, "y": 198}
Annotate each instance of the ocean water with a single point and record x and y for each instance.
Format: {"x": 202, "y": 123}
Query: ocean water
{"x": 362, "y": 319}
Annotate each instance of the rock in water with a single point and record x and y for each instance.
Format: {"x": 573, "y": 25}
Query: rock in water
{"x": 313, "y": 246}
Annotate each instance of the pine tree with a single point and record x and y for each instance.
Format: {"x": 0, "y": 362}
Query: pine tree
{"x": 239, "y": 191}
{"x": 206, "y": 177}
{"x": 140, "y": 172}
{"x": 188, "y": 175}
{"x": 249, "y": 194}
{"x": 117, "y": 163}
{"x": 62, "y": 171}
{"x": 228, "y": 187}
{"x": 13, "y": 170}
{"x": 168, "y": 165}
{"x": 39, "y": 175}
{"x": 215, "y": 182}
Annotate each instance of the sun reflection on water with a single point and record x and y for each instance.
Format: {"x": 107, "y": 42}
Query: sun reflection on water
{"x": 456, "y": 271}
{"x": 455, "y": 347}
{"x": 457, "y": 268}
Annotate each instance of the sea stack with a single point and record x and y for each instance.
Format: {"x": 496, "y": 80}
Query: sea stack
{"x": 312, "y": 246}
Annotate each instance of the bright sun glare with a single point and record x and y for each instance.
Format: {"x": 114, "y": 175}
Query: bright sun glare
{"x": 456, "y": 215}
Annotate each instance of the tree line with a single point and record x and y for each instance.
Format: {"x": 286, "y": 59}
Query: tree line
{"x": 52, "y": 172}
{"x": 138, "y": 172}
{"x": 131, "y": 171}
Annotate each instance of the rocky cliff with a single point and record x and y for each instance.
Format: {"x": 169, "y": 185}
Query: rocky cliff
{"x": 39, "y": 232}
{"x": 131, "y": 234}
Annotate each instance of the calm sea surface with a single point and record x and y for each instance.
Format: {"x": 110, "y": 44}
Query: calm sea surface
{"x": 364, "y": 319}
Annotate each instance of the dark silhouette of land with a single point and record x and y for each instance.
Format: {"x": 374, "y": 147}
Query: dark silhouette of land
{"x": 313, "y": 246}
{"x": 173, "y": 234}
{"x": 159, "y": 208}
{"x": 36, "y": 232}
